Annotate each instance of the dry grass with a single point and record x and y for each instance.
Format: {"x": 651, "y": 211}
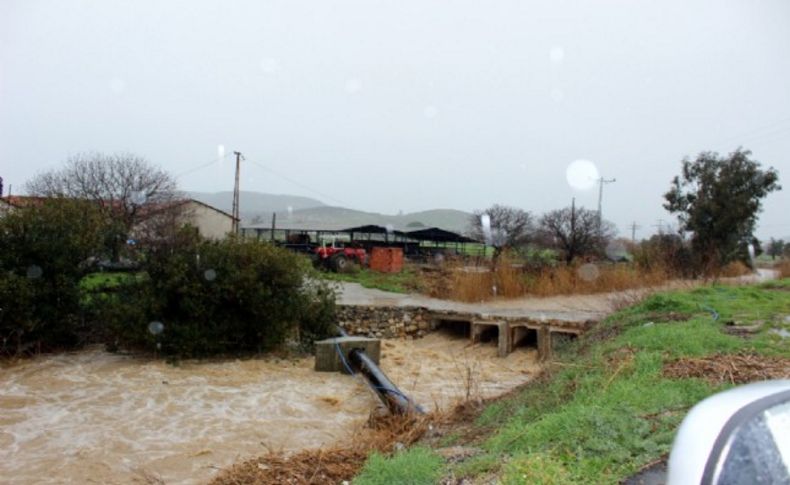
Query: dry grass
{"x": 481, "y": 283}
{"x": 733, "y": 270}
{"x": 734, "y": 368}
{"x": 328, "y": 465}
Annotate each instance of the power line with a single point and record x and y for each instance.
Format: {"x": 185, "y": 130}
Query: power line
{"x": 201, "y": 166}
{"x": 298, "y": 184}
{"x": 761, "y": 131}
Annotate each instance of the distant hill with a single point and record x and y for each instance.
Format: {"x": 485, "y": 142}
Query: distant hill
{"x": 341, "y": 218}
{"x": 256, "y": 203}
{"x": 307, "y": 213}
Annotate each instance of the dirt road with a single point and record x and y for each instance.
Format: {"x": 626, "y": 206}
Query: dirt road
{"x": 569, "y": 308}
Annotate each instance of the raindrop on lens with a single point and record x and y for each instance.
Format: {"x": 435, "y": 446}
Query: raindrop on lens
{"x": 138, "y": 197}
{"x": 270, "y": 65}
{"x": 485, "y": 225}
{"x": 616, "y": 251}
{"x": 156, "y": 327}
{"x": 390, "y": 228}
{"x": 556, "y": 54}
{"x": 34, "y": 271}
{"x": 353, "y": 86}
{"x": 117, "y": 85}
{"x": 588, "y": 272}
{"x": 430, "y": 112}
{"x": 582, "y": 174}
{"x": 210, "y": 275}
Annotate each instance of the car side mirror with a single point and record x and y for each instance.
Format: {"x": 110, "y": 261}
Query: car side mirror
{"x": 739, "y": 436}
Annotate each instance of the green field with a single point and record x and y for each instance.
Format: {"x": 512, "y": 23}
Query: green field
{"x": 407, "y": 281}
{"x": 605, "y": 407}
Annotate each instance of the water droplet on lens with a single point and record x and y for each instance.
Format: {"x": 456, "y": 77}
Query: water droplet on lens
{"x": 353, "y": 86}
{"x": 556, "y": 54}
{"x": 616, "y": 251}
{"x": 138, "y": 197}
{"x": 485, "y": 225}
{"x": 210, "y": 275}
{"x": 156, "y": 327}
{"x": 117, "y": 85}
{"x": 34, "y": 271}
{"x": 430, "y": 111}
{"x": 557, "y": 95}
{"x": 589, "y": 272}
{"x": 270, "y": 65}
{"x": 582, "y": 174}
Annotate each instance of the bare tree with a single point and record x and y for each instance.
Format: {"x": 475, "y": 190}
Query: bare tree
{"x": 575, "y": 232}
{"x": 776, "y": 248}
{"x": 507, "y": 227}
{"x": 126, "y": 186}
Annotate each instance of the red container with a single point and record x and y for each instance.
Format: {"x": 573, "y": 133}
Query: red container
{"x": 386, "y": 260}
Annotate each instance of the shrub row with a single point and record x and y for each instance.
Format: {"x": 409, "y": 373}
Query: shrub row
{"x": 191, "y": 297}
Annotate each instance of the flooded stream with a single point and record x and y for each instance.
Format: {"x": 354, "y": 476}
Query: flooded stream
{"x": 95, "y": 417}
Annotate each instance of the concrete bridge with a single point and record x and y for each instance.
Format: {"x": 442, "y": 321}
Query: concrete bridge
{"x": 510, "y": 332}
{"x": 528, "y": 321}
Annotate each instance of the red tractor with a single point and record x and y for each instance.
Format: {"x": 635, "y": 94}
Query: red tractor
{"x": 338, "y": 257}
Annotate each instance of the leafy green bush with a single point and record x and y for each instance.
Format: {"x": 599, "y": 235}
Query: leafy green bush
{"x": 218, "y": 297}
{"x": 45, "y": 250}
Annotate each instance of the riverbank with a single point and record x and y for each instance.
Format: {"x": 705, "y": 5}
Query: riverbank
{"x": 610, "y": 403}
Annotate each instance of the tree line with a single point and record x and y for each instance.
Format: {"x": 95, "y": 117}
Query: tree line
{"x": 716, "y": 200}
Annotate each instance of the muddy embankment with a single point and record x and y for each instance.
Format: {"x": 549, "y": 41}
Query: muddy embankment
{"x": 95, "y": 417}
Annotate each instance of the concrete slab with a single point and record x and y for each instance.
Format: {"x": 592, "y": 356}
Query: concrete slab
{"x": 327, "y": 352}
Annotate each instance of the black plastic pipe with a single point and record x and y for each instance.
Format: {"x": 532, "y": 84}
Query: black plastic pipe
{"x": 396, "y": 401}
{"x": 392, "y": 397}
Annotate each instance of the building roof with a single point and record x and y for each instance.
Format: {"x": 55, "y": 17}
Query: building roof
{"x": 439, "y": 235}
{"x": 373, "y": 229}
{"x": 195, "y": 201}
{"x": 7, "y": 202}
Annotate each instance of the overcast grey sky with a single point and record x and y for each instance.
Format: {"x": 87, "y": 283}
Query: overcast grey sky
{"x": 403, "y": 105}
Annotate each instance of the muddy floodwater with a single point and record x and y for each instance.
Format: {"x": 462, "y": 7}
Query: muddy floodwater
{"x": 96, "y": 417}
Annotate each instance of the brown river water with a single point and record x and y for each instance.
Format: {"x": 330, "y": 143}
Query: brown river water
{"x": 96, "y": 417}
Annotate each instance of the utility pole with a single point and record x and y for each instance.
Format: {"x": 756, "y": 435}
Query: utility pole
{"x": 660, "y": 226}
{"x": 634, "y": 226}
{"x": 601, "y": 182}
{"x": 236, "y": 194}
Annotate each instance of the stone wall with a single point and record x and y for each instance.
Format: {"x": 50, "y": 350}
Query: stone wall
{"x": 384, "y": 321}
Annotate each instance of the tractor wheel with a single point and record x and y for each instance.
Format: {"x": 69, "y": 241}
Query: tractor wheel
{"x": 340, "y": 263}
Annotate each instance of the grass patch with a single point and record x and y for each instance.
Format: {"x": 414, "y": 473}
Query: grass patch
{"x": 109, "y": 280}
{"x": 415, "y": 466}
{"x": 406, "y": 281}
{"x": 606, "y": 407}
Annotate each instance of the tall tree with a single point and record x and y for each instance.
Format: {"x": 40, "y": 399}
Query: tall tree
{"x": 718, "y": 199}
{"x": 127, "y": 187}
{"x": 574, "y": 231}
{"x": 502, "y": 227}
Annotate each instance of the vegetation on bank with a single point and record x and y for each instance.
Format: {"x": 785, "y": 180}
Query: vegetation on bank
{"x": 407, "y": 281}
{"x": 611, "y": 402}
{"x": 189, "y": 297}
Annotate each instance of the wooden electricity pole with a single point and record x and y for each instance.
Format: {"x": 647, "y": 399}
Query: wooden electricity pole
{"x": 634, "y": 227}
{"x": 601, "y": 183}
{"x": 236, "y": 194}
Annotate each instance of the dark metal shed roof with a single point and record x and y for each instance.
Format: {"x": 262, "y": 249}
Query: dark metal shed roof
{"x": 439, "y": 235}
{"x": 373, "y": 229}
